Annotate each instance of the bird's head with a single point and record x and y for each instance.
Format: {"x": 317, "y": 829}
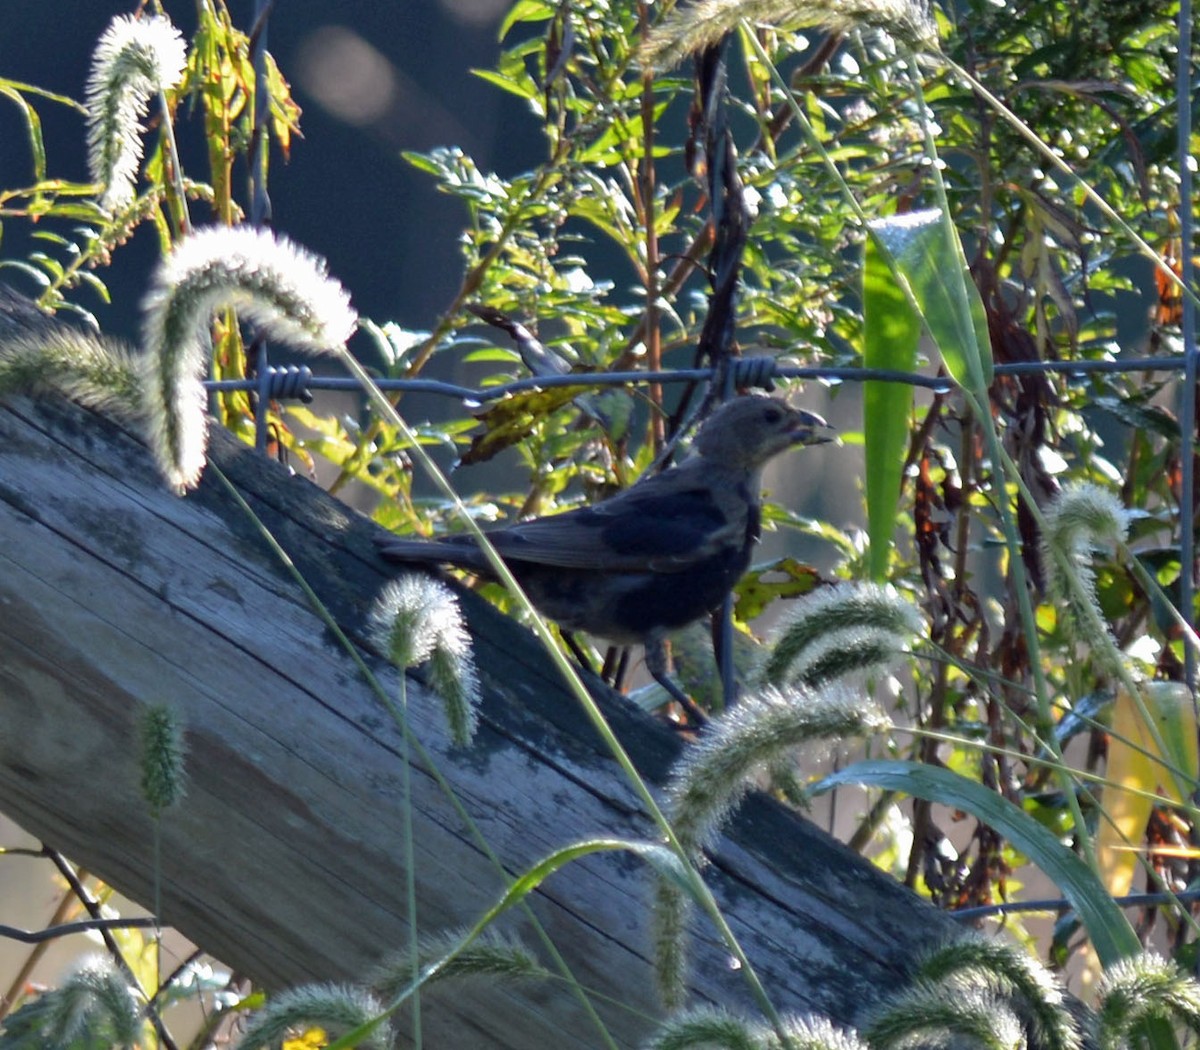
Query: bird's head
{"x": 747, "y": 431}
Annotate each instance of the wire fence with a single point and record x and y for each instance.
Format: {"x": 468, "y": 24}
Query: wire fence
{"x": 298, "y": 382}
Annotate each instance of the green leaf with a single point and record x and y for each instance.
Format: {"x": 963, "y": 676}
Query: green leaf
{"x": 891, "y": 332}
{"x": 523, "y": 87}
{"x": 526, "y": 11}
{"x": 33, "y": 125}
{"x": 1110, "y": 932}
{"x": 928, "y": 256}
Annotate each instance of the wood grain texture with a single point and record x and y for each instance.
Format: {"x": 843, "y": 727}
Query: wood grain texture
{"x": 285, "y": 858}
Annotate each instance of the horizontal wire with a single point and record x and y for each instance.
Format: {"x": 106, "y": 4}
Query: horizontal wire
{"x": 298, "y": 381}
{"x": 1061, "y": 904}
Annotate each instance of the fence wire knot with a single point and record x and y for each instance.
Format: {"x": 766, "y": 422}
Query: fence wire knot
{"x": 292, "y": 382}
{"x": 754, "y": 371}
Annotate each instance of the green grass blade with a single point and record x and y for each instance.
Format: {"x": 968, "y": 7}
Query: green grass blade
{"x": 1106, "y": 924}
{"x": 891, "y": 332}
{"x": 928, "y": 255}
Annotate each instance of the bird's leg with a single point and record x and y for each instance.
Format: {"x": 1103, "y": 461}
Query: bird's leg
{"x": 616, "y": 665}
{"x": 577, "y": 652}
{"x": 656, "y": 664}
{"x": 722, "y": 636}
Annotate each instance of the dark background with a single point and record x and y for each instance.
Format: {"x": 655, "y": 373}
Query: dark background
{"x": 373, "y": 78}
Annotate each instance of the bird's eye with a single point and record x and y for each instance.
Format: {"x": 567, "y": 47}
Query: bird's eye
{"x": 773, "y": 415}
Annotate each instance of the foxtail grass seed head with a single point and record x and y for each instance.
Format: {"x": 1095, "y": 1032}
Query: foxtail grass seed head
{"x": 943, "y": 1014}
{"x": 714, "y": 774}
{"x": 92, "y": 1005}
{"x": 1141, "y": 987}
{"x": 135, "y": 59}
{"x": 281, "y": 287}
{"x": 491, "y": 955}
{"x": 337, "y": 1009}
{"x": 1081, "y": 517}
{"x": 92, "y": 371}
{"x": 453, "y": 677}
{"x": 416, "y": 619}
{"x": 707, "y": 1027}
{"x": 671, "y": 915}
{"x": 163, "y": 750}
{"x": 717, "y": 771}
{"x": 692, "y": 27}
{"x": 815, "y": 1033}
{"x": 839, "y": 630}
{"x": 1007, "y": 971}
{"x": 407, "y": 617}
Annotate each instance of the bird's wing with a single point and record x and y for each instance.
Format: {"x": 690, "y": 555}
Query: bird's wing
{"x": 663, "y": 524}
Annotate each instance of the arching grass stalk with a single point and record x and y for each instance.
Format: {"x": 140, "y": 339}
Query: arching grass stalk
{"x": 711, "y": 778}
{"x": 416, "y": 620}
{"x": 975, "y": 395}
{"x": 697, "y": 886}
{"x": 1097, "y": 628}
{"x": 658, "y": 856}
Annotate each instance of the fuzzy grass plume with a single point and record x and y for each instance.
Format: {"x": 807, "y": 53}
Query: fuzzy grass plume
{"x": 334, "y": 1008}
{"x": 1008, "y": 973}
{"x": 93, "y": 1006}
{"x": 416, "y": 620}
{"x": 39, "y": 354}
{"x": 1082, "y": 516}
{"x": 135, "y": 59}
{"x": 491, "y": 955}
{"x": 57, "y": 357}
{"x": 701, "y": 24}
{"x": 944, "y": 1013}
{"x": 670, "y": 921}
{"x": 162, "y": 752}
{"x": 708, "y": 1028}
{"x": 1139, "y": 988}
{"x": 815, "y": 1033}
{"x": 718, "y": 771}
{"x": 279, "y": 286}
{"x": 851, "y": 628}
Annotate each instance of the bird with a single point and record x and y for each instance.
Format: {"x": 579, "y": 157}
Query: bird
{"x": 657, "y": 556}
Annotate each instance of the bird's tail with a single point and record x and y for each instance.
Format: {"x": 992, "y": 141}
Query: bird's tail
{"x": 460, "y": 551}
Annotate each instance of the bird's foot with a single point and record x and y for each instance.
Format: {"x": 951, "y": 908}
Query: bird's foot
{"x": 656, "y": 664}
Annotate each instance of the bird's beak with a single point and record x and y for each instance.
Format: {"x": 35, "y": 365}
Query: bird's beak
{"x": 806, "y": 429}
